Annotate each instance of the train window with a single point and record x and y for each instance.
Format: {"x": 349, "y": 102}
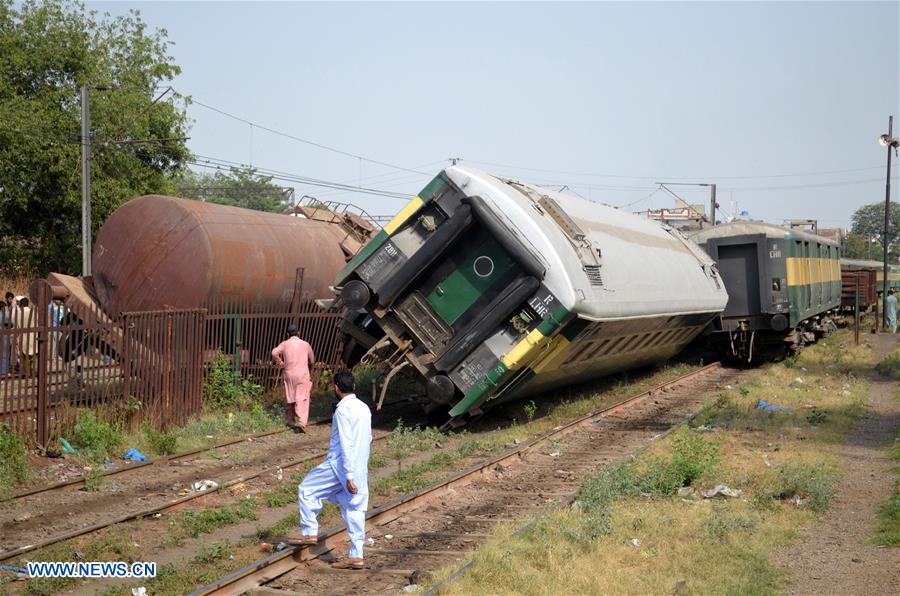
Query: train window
{"x": 776, "y": 284}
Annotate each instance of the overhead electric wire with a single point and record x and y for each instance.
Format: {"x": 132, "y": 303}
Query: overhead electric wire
{"x": 296, "y": 138}
{"x": 224, "y": 164}
{"x": 628, "y": 177}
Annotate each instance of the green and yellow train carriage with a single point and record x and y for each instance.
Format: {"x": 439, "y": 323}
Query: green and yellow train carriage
{"x": 782, "y": 284}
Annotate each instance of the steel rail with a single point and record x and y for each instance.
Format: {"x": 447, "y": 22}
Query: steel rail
{"x": 277, "y": 564}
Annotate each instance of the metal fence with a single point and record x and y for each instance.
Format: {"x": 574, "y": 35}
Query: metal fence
{"x": 140, "y": 365}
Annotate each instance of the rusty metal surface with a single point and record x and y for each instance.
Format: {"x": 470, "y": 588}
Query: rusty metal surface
{"x": 158, "y": 252}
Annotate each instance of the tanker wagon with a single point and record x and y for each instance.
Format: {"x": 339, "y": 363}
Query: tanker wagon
{"x": 491, "y": 290}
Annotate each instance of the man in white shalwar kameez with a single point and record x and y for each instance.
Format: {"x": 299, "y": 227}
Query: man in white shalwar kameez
{"x": 343, "y": 477}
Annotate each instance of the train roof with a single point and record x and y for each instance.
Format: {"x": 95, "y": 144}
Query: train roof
{"x": 858, "y": 264}
{"x": 646, "y": 268}
{"x": 747, "y": 228}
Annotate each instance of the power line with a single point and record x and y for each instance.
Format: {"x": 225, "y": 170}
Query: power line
{"x": 296, "y": 138}
{"x": 627, "y": 177}
{"x": 223, "y": 164}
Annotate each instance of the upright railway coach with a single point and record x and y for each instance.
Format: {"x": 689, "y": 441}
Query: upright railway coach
{"x": 491, "y": 289}
{"x": 781, "y": 285}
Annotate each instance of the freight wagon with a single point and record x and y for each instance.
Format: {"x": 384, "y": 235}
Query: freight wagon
{"x": 782, "y": 284}
{"x": 490, "y": 289}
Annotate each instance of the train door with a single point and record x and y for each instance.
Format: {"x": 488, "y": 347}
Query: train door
{"x": 807, "y": 270}
{"x": 739, "y": 268}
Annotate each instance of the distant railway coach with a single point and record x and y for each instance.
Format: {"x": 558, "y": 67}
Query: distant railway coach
{"x": 490, "y": 290}
{"x": 781, "y": 285}
{"x": 860, "y": 277}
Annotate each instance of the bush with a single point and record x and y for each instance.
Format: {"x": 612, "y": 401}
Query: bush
{"x": 162, "y": 443}
{"x": 224, "y": 387}
{"x": 13, "y": 459}
{"x": 94, "y": 438}
{"x": 693, "y": 456}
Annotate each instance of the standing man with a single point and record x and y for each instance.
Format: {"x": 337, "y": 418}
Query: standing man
{"x": 296, "y": 357}
{"x": 890, "y": 311}
{"x": 343, "y": 478}
{"x": 27, "y": 342}
{"x": 5, "y": 323}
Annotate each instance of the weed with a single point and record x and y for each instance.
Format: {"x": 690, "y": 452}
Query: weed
{"x": 13, "y": 460}
{"x": 406, "y": 439}
{"x": 720, "y": 413}
{"x": 530, "y": 409}
{"x": 224, "y": 387}
{"x": 95, "y": 439}
{"x": 377, "y": 461}
{"x": 890, "y": 366}
{"x": 811, "y": 485}
{"x": 212, "y": 552}
{"x": 817, "y": 416}
{"x": 161, "y": 442}
{"x": 888, "y": 532}
{"x": 693, "y": 456}
{"x": 721, "y": 526}
{"x": 93, "y": 479}
{"x": 204, "y": 521}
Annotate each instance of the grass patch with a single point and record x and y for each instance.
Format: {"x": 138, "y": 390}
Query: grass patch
{"x": 13, "y": 460}
{"x": 195, "y": 523}
{"x": 890, "y": 366}
{"x": 888, "y": 530}
{"x": 629, "y": 531}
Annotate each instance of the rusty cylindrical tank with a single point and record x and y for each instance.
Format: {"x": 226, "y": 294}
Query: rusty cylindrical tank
{"x": 158, "y": 252}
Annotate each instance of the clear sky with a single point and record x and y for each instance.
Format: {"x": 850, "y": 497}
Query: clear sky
{"x": 606, "y": 98}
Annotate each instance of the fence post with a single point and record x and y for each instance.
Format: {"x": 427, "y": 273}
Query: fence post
{"x": 43, "y": 410}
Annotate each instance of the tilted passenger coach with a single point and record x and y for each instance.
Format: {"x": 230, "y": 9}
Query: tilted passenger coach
{"x": 491, "y": 289}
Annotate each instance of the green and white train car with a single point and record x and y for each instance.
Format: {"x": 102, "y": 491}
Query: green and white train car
{"x": 491, "y": 289}
{"x": 781, "y": 285}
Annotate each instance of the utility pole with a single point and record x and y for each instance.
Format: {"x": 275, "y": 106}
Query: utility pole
{"x": 890, "y": 142}
{"x": 85, "y": 182}
{"x": 712, "y": 205}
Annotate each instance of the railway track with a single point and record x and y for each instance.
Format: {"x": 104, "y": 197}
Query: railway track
{"x": 440, "y": 525}
{"x": 152, "y": 499}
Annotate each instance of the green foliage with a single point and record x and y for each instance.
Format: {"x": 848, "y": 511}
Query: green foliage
{"x": 13, "y": 460}
{"x": 95, "y": 439}
{"x": 868, "y": 221}
{"x": 529, "y": 409}
{"x": 240, "y": 187}
{"x": 693, "y": 456}
{"x": 405, "y": 440}
{"x": 720, "y": 412}
{"x": 890, "y": 366}
{"x": 93, "y": 479}
{"x": 212, "y": 552}
{"x": 857, "y": 246}
{"x": 224, "y": 387}
{"x": 161, "y": 442}
{"x": 721, "y": 526}
{"x": 813, "y": 485}
{"x": 204, "y": 521}
{"x": 888, "y": 532}
{"x": 50, "y": 48}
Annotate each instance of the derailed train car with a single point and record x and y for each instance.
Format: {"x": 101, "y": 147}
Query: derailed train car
{"x": 782, "y": 284}
{"x": 492, "y": 290}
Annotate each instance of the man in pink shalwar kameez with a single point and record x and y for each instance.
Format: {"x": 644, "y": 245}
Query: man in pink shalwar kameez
{"x": 297, "y": 358}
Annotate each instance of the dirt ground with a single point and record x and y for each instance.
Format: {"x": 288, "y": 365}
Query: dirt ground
{"x": 837, "y": 556}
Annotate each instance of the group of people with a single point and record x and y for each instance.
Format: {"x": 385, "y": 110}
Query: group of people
{"x": 18, "y": 352}
{"x": 342, "y": 478}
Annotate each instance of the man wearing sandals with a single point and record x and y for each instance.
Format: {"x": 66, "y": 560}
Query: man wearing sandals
{"x": 343, "y": 477}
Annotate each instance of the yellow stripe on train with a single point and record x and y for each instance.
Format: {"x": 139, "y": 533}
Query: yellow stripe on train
{"x": 414, "y": 205}
{"x": 802, "y": 271}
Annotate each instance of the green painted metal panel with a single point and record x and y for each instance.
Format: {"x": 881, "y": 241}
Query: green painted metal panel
{"x": 464, "y": 286}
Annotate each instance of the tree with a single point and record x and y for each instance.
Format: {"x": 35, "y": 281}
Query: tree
{"x": 240, "y": 187}
{"x": 49, "y": 50}
{"x": 857, "y": 246}
{"x": 868, "y": 223}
